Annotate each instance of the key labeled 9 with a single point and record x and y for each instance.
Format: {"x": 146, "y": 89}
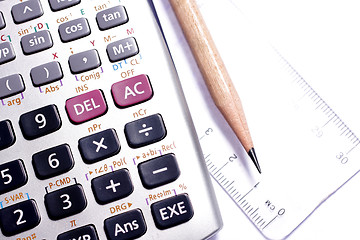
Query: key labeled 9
{"x": 40, "y": 122}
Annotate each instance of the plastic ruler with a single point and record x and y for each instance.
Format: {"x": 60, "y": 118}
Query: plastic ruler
{"x": 305, "y": 149}
{"x": 314, "y": 154}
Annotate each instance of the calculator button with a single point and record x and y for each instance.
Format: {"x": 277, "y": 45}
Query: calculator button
{"x": 74, "y": 29}
{"x": 87, "y": 232}
{"x": 12, "y": 176}
{"x": 111, "y": 17}
{"x": 7, "y": 136}
{"x": 46, "y": 73}
{"x": 40, "y": 122}
{"x": 84, "y": 61}
{"x": 172, "y": 211}
{"x": 99, "y": 146}
{"x": 26, "y": 11}
{"x": 112, "y": 186}
{"x": 145, "y": 131}
{"x": 11, "y": 85}
{"x": 19, "y": 217}
{"x": 65, "y": 202}
{"x": 7, "y": 52}
{"x": 2, "y": 21}
{"x": 36, "y": 42}
{"x": 53, "y": 161}
{"x": 132, "y": 91}
{"x": 57, "y": 5}
{"x": 159, "y": 171}
{"x": 86, "y": 106}
{"x": 122, "y": 49}
{"x": 129, "y": 225}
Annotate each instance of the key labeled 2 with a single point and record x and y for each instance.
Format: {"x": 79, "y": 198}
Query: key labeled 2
{"x": 19, "y": 217}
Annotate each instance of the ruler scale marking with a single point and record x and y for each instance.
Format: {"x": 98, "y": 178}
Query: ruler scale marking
{"x": 258, "y": 204}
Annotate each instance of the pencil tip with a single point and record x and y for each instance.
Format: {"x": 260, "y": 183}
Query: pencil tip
{"x": 254, "y": 159}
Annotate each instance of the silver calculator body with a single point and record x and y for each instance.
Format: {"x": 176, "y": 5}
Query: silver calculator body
{"x": 96, "y": 140}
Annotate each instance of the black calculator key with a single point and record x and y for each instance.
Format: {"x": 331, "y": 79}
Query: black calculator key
{"x": 99, "y": 146}
{"x": 7, "y": 136}
{"x": 159, "y": 171}
{"x": 172, "y": 211}
{"x": 12, "y": 176}
{"x": 145, "y": 131}
{"x": 65, "y": 202}
{"x": 129, "y": 225}
{"x": 40, "y": 122}
{"x": 112, "y": 186}
{"x": 19, "y": 217}
{"x": 52, "y": 162}
{"x": 87, "y": 232}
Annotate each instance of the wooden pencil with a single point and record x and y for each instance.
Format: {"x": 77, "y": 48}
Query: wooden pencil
{"x": 214, "y": 72}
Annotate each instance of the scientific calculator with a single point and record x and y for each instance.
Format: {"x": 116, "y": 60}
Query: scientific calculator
{"x": 96, "y": 140}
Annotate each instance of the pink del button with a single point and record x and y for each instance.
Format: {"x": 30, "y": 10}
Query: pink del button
{"x": 86, "y": 106}
{"x": 132, "y": 91}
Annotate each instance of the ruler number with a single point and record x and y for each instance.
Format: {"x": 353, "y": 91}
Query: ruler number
{"x": 209, "y": 131}
{"x": 342, "y": 157}
{"x": 233, "y": 157}
{"x": 317, "y": 131}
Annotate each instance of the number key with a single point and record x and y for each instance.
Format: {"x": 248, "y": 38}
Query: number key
{"x": 19, "y": 218}
{"x": 53, "y": 161}
{"x": 40, "y": 122}
{"x": 7, "y": 136}
{"x": 12, "y": 176}
{"x": 65, "y": 202}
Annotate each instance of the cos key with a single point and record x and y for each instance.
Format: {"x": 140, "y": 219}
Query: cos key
{"x": 74, "y": 29}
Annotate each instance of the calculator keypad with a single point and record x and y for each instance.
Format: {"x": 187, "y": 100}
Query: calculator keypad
{"x": 11, "y": 85}
{"x": 159, "y": 171}
{"x": 145, "y": 131}
{"x": 40, "y": 122}
{"x": 86, "y": 106}
{"x": 26, "y": 11}
{"x": 111, "y": 17}
{"x": 64, "y": 66}
{"x": 132, "y": 91}
{"x": 19, "y": 217}
{"x": 53, "y": 161}
{"x": 172, "y": 211}
{"x": 129, "y": 225}
{"x": 87, "y": 232}
{"x": 7, "y": 136}
{"x": 7, "y": 52}
{"x": 57, "y": 5}
{"x": 84, "y": 61}
{"x": 2, "y": 21}
{"x": 122, "y": 49}
{"x": 12, "y": 176}
{"x": 112, "y": 186}
{"x": 74, "y": 29}
{"x": 46, "y": 73}
{"x": 99, "y": 146}
{"x": 36, "y": 42}
{"x": 65, "y": 202}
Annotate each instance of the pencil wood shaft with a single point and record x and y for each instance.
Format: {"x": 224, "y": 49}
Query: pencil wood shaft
{"x": 212, "y": 68}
